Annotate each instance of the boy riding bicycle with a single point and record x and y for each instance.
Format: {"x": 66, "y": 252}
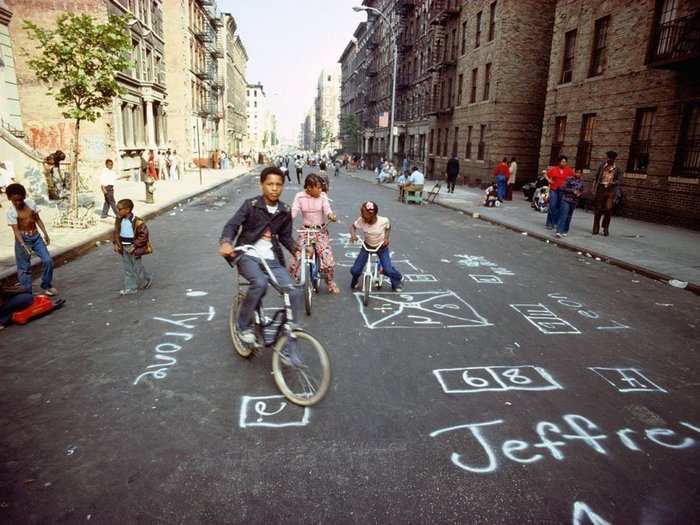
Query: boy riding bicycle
{"x": 264, "y": 222}
{"x": 376, "y": 229}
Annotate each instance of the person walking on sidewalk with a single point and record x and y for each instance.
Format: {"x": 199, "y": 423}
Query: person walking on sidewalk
{"x": 174, "y": 168}
{"x": 23, "y": 218}
{"x": 556, "y": 176}
{"x": 501, "y": 174}
{"x": 572, "y": 191}
{"x": 300, "y": 168}
{"x": 513, "y": 168}
{"x": 108, "y": 177}
{"x": 452, "y": 173}
{"x": 131, "y": 240}
{"x": 605, "y": 188}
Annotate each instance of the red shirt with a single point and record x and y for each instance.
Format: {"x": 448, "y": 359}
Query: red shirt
{"x": 501, "y": 169}
{"x": 558, "y": 176}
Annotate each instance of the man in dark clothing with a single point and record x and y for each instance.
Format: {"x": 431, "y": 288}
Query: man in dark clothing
{"x": 605, "y": 188}
{"x": 452, "y": 173}
{"x": 264, "y": 222}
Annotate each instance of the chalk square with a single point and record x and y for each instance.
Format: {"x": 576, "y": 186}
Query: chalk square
{"x": 486, "y": 279}
{"x": 420, "y": 278}
{"x": 495, "y": 379}
{"x": 272, "y": 412}
{"x": 545, "y": 320}
{"x": 627, "y": 379}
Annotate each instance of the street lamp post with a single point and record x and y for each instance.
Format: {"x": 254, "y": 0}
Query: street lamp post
{"x": 395, "y": 49}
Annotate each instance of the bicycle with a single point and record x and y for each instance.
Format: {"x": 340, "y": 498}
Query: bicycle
{"x": 309, "y": 270}
{"x": 300, "y": 365}
{"x": 371, "y": 275}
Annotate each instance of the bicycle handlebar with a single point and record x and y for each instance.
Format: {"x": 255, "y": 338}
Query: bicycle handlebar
{"x": 249, "y": 249}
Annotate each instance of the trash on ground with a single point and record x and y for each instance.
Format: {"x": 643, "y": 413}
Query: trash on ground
{"x": 677, "y": 283}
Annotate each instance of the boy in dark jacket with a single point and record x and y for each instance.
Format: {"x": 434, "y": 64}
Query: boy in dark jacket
{"x": 130, "y": 240}
{"x": 264, "y": 222}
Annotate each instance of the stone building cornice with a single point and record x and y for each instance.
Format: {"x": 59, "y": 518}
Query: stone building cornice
{"x": 5, "y": 13}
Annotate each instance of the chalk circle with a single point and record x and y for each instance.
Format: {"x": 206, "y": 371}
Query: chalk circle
{"x": 196, "y": 293}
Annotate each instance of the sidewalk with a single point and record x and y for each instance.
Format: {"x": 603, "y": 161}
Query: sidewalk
{"x": 658, "y": 251}
{"x": 65, "y": 241}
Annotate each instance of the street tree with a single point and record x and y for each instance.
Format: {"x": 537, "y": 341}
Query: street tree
{"x": 351, "y": 127}
{"x": 79, "y": 59}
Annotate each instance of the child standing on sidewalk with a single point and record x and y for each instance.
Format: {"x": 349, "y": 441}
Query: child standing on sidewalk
{"x": 376, "y": 229}
{"x": 23, "y": 218}
{"x": 131, "y": 241}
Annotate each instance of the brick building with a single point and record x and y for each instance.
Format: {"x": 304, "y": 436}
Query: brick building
{"x": 232, "y": 69}
{"x": 134, "y": 123}
{"x": 625, "y": 76}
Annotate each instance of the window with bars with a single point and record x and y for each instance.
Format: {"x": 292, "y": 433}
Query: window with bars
{"x": 585, "y": 142}
{"x": 598, "y": 54}
{"x": 460, "y": 80}
{"x": 557, "y": 140}
{"x": 492, "y": 22}
{"x": 482, "y": 144}
{"x": 487, "y": 81}
{"x": 638, "y": 159}
{"x": 444, "y": 144}
{"x": 687, "y": 162}
{"x": 454, "y": 142}
{"x": 477, "y": 34}
{"x": 468, "y": 148}
{"x": 475, "y": 74}
{"x": 567, "y": 68}
{"x": 464, "y": 37}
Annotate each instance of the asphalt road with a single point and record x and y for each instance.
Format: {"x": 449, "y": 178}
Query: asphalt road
{"x": 137, "y": 410}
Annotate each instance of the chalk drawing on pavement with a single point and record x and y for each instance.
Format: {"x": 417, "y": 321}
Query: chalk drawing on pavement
{"x": 419, "y": 278}
{"x": 436, "y": 309}
{"x": 544, "y": 319}
{"x": 627, "y": 379}
{"x": 486, "y": 279}
{"x": 583, "y": 514}
{"x": 495, "y": 379}
{"x": 271, "y": 411}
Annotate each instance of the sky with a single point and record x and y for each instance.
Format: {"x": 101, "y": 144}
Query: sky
{"x": 288, "y": 43}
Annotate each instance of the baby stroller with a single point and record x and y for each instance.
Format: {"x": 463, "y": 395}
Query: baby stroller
{"x": 540, "y": 200}
{"x": 491, "y": 197}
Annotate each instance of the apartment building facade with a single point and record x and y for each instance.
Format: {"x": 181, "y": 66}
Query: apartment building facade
{"x": 232, "y": 67}
{"x": 327, "y": 109}
{"x": 136, "y": 122}
{"x": 625, "y": 76}
{"x": 257, "y": 120}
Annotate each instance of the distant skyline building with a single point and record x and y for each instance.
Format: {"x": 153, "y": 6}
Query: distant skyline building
{"x": 327, "y": 108}
{"x": 232, "y": 67}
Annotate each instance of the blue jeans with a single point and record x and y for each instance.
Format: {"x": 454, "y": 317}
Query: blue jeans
{"x": 566, "y": 212}
{"x": 24, "y": 264}
{"x": 135, "y": 274}
{"x": 384, "y": 259}
{"x": 501, "y": 187}
{"x": 14, "y": 304}
{"x": 252, "y": 270}
{"x": 555, "y": 199}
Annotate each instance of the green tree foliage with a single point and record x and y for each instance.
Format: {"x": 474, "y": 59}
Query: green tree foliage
{"x": 79, "y": 58}
{"x": 351, "y": 128}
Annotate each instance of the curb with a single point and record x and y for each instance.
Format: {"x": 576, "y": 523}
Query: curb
{"x": 646, "y": 272}
{"x": 80, "y": 248}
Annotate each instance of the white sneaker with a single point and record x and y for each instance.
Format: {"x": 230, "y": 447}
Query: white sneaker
{"x": 247, "y": 336}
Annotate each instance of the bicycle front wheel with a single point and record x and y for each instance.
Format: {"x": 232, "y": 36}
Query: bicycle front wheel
{"x": 301, "y": 368}
{"x": 242, "y": 349}
{"x": 308, "y": 289}
{"x": 366, "y": 288}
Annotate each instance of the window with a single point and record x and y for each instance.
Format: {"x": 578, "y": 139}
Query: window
{"x": 585, "y": 142}
{"x": 638, "y": 160}
{"x": 464, "y": 37}
{"x": 667, "y": 32}
{"x": 127, "y": 138}
{"x": 567, "y": 68}
{"x": 477, "y": 35}
{"x": 492, "y": 22}
{"x": 421, "y": 145}
{"x": 688, "y": 153}
{"x": 439, "y": 142}
{"x": 149, "y": 65}
{"x": 598, "y": 55}
{"x": 430, "y": 142}
{"x": 450, "y": 102}
{"x": 487, "y": 81}
{"x": 475, "y": 74}
{"x": 454, "y": 142}
{"x": 557, "y": 140}
{"x": 444, "y": 144}
{"x": 482, "y": 145}
{"x": 453, "y": 51}
{"x": 468, "y": 149}
{"x": 460, "y": 80}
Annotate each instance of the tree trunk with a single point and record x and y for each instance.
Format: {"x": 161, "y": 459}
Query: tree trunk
{"x": 74, "y": 180}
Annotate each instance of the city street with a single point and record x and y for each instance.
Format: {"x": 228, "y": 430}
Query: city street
{"x": 510, "y": 382}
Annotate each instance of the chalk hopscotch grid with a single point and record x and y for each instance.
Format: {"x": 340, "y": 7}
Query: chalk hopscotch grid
{"x": 545, "y": 315}
{"x": 553, "y": 384}
{"x": 599, "y": 371}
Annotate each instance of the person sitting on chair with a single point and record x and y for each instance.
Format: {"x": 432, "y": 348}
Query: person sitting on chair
{"x": 415, "y": 181}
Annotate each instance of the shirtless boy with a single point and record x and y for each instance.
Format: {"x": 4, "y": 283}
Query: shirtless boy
{"x": 23, "y": 218}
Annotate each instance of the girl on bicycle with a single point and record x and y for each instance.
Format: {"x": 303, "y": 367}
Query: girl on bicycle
{"x": 376, "y": 229}
{"x": 315, "y": 211}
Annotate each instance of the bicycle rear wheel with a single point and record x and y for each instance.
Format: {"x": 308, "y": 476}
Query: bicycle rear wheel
{"x": 242, "y": 349}
{"x": 308, "y": 288}
{"x": 301, "y": 368}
